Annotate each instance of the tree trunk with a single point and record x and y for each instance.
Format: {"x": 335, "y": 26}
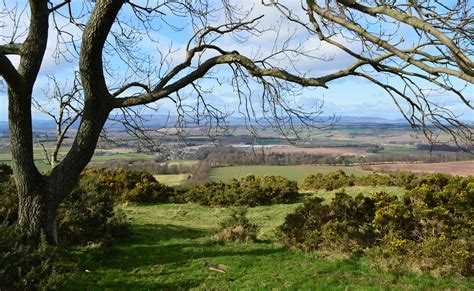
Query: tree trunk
{"x": 37, "y": 215}
{"x": 39, "y": 195}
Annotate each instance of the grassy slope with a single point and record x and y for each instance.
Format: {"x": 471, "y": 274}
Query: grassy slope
{"x": 171, "y": 244}
{"x": 295, "y": 173}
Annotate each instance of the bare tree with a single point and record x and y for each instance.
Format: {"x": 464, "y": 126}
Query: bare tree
{"x": 411, "y": 49}
{"x": 68, "y": 102}
{"x": 116, "y": 73}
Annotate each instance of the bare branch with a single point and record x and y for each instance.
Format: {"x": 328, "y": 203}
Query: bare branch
{"x": 66, "y": 110}
{"x": 56, "y": 7}
{"x": 253, "y": 70}
{"x": 463, "y": 62}
{"x": 10, "y": 74}
{"x": 10, "y": 49}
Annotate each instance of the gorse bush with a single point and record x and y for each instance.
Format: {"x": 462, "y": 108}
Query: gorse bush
{"x": 344, "y": 223}
{"x": 400, "y": 179}
{"x": 5, "y": 172}
{"x": 246, "y": 191}
{"x": 330, "y": 181}
{"x": 8, "y": 200}
{"x": 130, "y": 186}
{"x": 237, "y": 227}
{"x": 27, "y": 267}
{"x": 431, "y": 226}
{"x": 88, "y": 215}
{"x": 265, "y": 190}
{"x": 340, "y": 179}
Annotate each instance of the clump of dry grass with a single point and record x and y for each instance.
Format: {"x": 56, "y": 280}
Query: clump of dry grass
{"x": 237, "y": 227}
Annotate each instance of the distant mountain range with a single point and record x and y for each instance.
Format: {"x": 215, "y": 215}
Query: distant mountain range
{"x": 369, "y": 120}
{"x": 156, "y": 121}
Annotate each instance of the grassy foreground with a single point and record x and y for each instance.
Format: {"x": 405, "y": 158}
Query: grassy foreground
{"x": 171, "y": 244}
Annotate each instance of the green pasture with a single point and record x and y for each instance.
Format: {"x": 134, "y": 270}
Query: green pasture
{"x": 295, "y": 173}
{"x": 172, "y": 180}
{"x": 119, "y": 156}
{"x": 182, "y": 162}
{"x": 172, "y": 243}
{"x": 400, "y": 149}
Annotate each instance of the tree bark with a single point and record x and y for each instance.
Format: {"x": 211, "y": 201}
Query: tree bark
{"x": 40, "y": 195}
{"x": 37, "y": 215}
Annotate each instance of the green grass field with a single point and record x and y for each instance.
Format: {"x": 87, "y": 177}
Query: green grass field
{"x": 183, "y": 162}
{"x": 397, "y": 149}
{"x": 295, "y": 173}
{"x": 172, "y": 180}
{"x": 171, "y": 244}
{"x": 122, "y": 157}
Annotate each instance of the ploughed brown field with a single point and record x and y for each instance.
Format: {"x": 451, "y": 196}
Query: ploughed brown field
{"x": 465, "y": 168}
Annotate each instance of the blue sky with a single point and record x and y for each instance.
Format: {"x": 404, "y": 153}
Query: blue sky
{"x": 348, "y": 97}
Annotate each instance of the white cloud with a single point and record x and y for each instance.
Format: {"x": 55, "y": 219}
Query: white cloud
{"x": 346, "y": 96}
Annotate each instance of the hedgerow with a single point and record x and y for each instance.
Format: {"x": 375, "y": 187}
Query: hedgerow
{"x": 330, "y": 181}
{"x": 246, "y": 191}
{"x": 339, "y": 179}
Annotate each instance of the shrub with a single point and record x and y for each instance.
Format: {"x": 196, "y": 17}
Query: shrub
{"x": 88, "y": 215}
{"x": 246, "y": 191}
{"x": 130, "y": 186}
{"x": 263, "y": 190}
{"x": 431, "y": 226}
{"x": 313, "y": 182}
{"x": 401, "y": 179}
{"x": 330, "y": 181}
{"x": 8, "y": 200}
{"x": 374, "y": 179}
{"x": 302, "y": 228}
{"x": 211, "y": 193}
{"x": 343, "y": 223}
{"x": 339, "y": 179}
{"x": 237, "y": 228}
{"x": 25, "y": 267}
{"x": 5, "y": 172}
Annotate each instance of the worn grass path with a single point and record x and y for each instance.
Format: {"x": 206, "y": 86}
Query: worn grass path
{"x": 172, "y": 243}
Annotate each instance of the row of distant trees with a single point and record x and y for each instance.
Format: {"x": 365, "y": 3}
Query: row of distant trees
{"x": 150, "y": 166}
{"x": 228, "y": 156}
{"x": 211, "y": 157}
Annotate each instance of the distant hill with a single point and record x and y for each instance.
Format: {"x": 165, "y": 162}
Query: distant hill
{"x": 156, "y": 121}
{"x": 369, "y": 120}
